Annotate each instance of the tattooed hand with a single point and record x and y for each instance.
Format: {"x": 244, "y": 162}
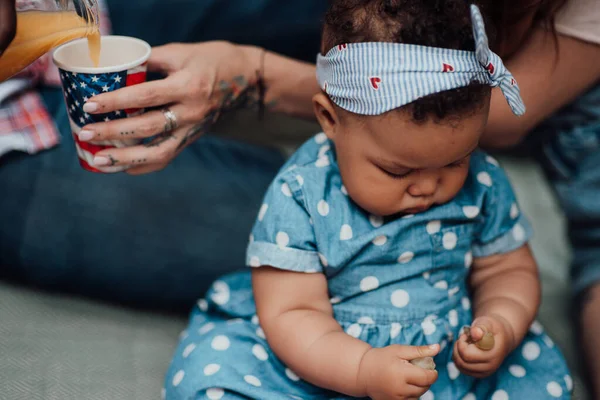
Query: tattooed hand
{"x": 203, "y": 81}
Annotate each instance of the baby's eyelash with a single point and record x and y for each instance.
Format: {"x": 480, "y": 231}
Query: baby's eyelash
{"x": 458, "y": 164}
{"x": 396, "y": 176}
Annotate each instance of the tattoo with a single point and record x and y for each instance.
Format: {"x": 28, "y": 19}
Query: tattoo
{"x": 234, "y": 95}
{"x": 113, "y": 160}
{"x": 138, "y": 161}
{"x": 126, "y": 133}
{"x": 160, "y": 139}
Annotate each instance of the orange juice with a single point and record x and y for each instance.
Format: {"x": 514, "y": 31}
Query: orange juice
{"x": 38, "y": 32}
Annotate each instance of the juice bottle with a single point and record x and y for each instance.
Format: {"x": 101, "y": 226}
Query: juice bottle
{"x": 45, "y": 24}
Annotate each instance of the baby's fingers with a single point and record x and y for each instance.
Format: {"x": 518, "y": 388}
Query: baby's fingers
{"x": 470, "y": 353}
{"x": 420, "y": 377}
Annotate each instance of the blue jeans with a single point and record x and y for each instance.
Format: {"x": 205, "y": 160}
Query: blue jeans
{"x": 571, "y": 156}
{"x": 161, "y": 239}
{"x": 154, "y": 240}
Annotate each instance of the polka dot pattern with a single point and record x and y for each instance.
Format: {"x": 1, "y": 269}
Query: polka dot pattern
{"x": 188, "y": 350}
{"x": 428, "y": 326}
{"x": 449, "y": 240}
{"x": 376, "y": 221}
{"x": 211, "y": 369}
{"x": 485, "y": 179}
{"x": 554, "y": 389}
{"x": 282, "y": 239}
{"x": 500, "y": 395}
{"x": 221, "y": 293}
{"x": 428, "y": 395}
{"x": 395, "y": 330}
{"x": 215, "y": 393}
{"x": 254, "y": 262}
{"x": 323, "y": 208}
{"x": 206, "y": 328}
{"x": 291, "y": 375}
{"x": 400, "y": 298}
{"x": 178, "y": 377}
{"x": 514, "y": 211}
{"x": 260, "y": 352}
{"x": 220, "y": 343}
{"x": 517, "y": 371}
{"x": 346, "y": 232}
{"x": 203, "y": 305}
{"x": 369, "y": 283}
{"x": 323, "y": 260}
{"x": 263, "y": 212}
{"x": 531, "y": 351}
{"x": 518, "y": 233}
{"x": 380, "y": 240}
{"x": 453, "y": 372}
{"x": 406, "y": 257}
{"x": 453, "y": 318}
{"x": 468, "y": 259}
{"x": 354, "y": 330}
{"x": 252, "y": 380}
{"x": 471, "y": 211}
{"x": 434, "y": 227}
{"x": 300, "y": 180}
{"x": 285, "y": 189}
{"x": 321, "y": 138}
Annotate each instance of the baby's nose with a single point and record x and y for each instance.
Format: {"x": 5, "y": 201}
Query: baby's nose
{"x": 424, "y": 187}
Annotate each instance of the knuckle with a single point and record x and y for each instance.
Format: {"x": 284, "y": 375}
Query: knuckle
{"x": 148, "y": 95}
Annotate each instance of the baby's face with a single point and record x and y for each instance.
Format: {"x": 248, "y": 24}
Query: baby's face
{"x": 391, "y": 165}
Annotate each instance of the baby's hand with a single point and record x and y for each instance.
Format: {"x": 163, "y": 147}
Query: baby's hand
{"x": 387, "y": 374}
{"x": 484, "y": 358}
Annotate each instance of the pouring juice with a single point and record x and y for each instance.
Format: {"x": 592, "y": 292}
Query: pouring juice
{"x": 40, "y": 31}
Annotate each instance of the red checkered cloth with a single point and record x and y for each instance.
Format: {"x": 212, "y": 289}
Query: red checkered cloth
{"x": 25, "y": 124}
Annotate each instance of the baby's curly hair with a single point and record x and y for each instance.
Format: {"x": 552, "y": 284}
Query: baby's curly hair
{"x": 434, "y": 23}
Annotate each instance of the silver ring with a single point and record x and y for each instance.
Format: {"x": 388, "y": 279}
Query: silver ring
{"x": 171, "y": 119}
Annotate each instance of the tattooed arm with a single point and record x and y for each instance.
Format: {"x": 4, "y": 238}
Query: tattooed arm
{"x": 203, "y": 82}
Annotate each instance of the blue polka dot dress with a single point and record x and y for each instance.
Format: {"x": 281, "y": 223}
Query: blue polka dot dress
{"x": 391, "y": 281}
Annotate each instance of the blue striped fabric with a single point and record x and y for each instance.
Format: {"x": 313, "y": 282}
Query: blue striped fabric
{"x": 375, "y": 77}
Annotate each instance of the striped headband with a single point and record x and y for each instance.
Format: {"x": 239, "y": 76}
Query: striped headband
{"x": 376, "y": 77}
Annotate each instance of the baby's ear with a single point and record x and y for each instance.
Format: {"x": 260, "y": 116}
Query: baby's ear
{"x": 326, "y": 114}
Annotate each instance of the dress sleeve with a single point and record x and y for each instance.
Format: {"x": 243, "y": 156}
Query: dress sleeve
{"x": 283, "y": 236}
{"x": 504, "y": 228}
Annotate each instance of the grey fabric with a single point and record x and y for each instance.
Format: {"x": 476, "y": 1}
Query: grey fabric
{"x": 59, "y": 348}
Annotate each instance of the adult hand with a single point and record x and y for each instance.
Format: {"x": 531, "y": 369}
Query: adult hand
{"x": 202, "y": 82}
{"x": 8, "y": 23}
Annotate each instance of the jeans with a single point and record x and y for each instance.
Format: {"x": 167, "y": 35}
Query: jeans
{"x": 570, "y": 153}
{"x": 156, "y": 240}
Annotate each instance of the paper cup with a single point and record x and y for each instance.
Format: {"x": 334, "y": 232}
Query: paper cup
{"x": 122, "y": 63}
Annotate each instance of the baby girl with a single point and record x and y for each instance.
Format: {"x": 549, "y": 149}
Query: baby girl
{"x": 385, "y": 235}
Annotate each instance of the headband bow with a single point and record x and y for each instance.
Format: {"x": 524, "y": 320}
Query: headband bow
{"x": 375, "y": 77}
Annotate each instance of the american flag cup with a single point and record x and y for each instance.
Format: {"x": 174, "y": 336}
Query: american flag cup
{"x": 122, "y": 63}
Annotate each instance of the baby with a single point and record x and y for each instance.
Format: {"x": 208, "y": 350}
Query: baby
{"x": 385, "y": 235}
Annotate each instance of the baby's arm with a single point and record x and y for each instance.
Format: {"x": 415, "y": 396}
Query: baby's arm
{"x": 506, "y": 297}
{"x": 297, "y": 317}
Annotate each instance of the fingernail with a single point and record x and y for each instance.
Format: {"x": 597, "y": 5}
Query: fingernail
{"x": 433, "y": 346}
{"x": 85, "y": 135}
{"x": 100, "y": 161}
{"x": 90, "y": 107}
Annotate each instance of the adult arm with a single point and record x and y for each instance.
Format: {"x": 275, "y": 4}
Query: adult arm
{"x": 548, "y": 80}
{"x": 8, "y": 23}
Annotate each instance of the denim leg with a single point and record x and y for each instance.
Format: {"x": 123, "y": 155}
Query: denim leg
{"x": 153, "y": 240}
{"x": 571, "y": 157}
